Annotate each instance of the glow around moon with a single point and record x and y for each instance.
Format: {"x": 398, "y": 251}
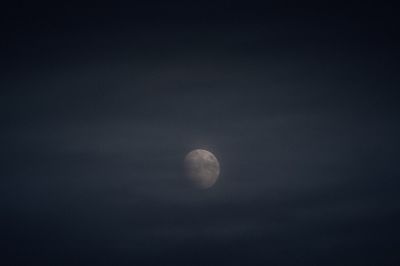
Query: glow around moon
{"x": 202, "y": 167}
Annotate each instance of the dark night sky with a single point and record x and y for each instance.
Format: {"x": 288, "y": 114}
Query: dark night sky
{"x": 99, "y": 105}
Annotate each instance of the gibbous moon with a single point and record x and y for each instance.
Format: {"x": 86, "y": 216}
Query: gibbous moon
{"x": 202, "y": 168}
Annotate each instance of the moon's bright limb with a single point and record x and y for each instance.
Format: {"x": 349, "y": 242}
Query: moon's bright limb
{"x": 202, "y": 167}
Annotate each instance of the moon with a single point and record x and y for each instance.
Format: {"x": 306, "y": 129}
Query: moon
{"x": 202, "y": 168}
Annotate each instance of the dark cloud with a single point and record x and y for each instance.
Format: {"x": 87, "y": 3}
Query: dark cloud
{"x": 298, "y": 104}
